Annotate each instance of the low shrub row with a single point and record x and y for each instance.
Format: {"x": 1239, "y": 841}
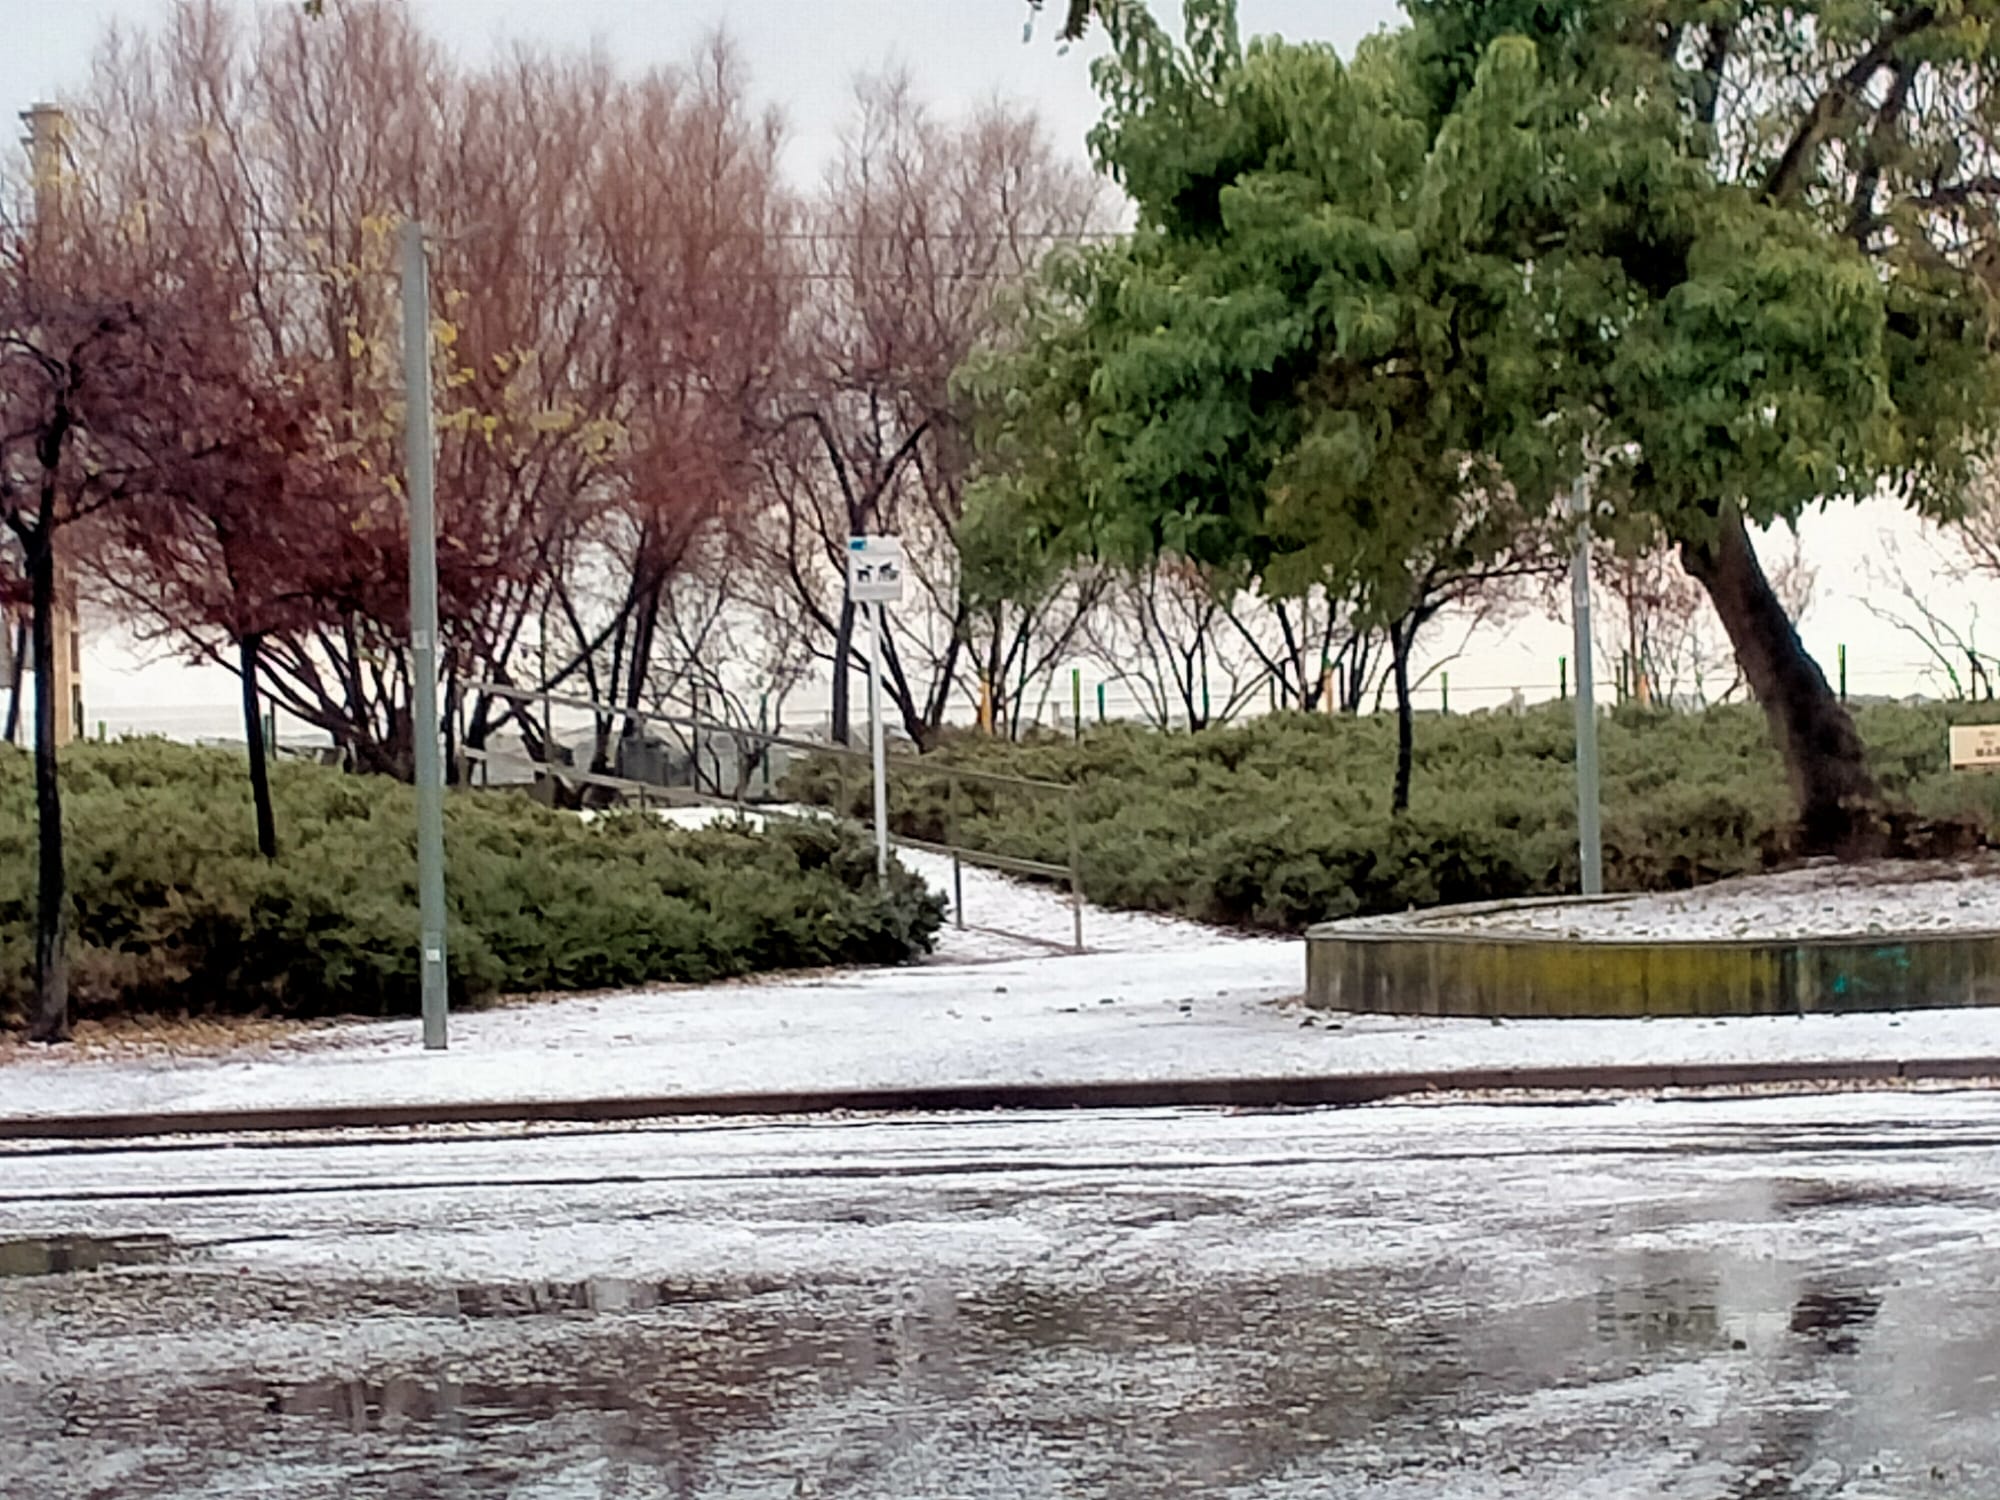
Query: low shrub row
{"x": 1285, "y": 820}
{"x": 173, "y": 911}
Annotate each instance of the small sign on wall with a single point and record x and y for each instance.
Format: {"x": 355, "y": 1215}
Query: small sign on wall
{"x": 1975, "y": 747}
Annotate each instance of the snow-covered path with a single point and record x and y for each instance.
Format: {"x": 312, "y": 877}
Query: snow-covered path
{"x": 1153, "y": 999}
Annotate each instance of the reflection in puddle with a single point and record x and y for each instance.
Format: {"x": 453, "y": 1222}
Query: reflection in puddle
{"x": 1656, "y": 1317}
{"x": 57, "y": 1255}
{"x": 530, "y": 1299}
{"x": 1832, "y": 1318}
{"x": 401, "y": 1401}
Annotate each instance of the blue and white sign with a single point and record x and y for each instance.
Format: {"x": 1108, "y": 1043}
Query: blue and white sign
{"x": 875, "y": 569}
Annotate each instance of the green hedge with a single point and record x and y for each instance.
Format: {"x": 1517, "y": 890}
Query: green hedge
{"x": 174, "y": 912}
{"x": 1285, "y": 821}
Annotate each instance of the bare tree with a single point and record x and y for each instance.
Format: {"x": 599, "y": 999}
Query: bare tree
{"x": 1168, "y": 635}
{"x": 921, "y": 225}
{"x": 599, "y": 344}
{"x": 726, "y": 663}
{"x": 1907, "y": 598}
{"x": 1460, "y": 577}
{"x": 692, "y": 223}
{"x": 1309, "y": 644}
{"x": 1658, "y": 626}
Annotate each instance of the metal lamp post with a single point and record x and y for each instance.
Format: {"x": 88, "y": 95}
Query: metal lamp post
{"x": 1589, "y": 828}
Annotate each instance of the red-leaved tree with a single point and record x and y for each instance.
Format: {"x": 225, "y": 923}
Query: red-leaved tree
{"x": 99, "y": 383}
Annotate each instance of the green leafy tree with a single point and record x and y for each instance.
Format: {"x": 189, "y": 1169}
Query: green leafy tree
{"x": 1768, "y": 269}
{"x": 1305, "y": 366}
{"x": 1375, "y": 318}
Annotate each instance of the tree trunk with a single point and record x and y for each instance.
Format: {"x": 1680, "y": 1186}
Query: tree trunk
{"x": 16, "y": 678}
{"x": 843, "y": 643}
{"x": 1400, "y": 638}
{"x": 1835, "y": 793}
{"x": 479, "y": 728}
{"x": 451, "y": 762}
{"x": 253, "y": 735}
{"x": 645, "y": 631}
{"x": 51, "y": 1018}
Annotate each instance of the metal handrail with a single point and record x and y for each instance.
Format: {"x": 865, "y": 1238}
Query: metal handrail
{"x": 559, "y": 772}
{"x": 959, "y": 854}
{"x": 765, "y": 736}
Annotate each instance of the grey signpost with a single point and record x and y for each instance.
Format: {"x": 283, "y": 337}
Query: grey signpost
{"x": 874, "y": 581}
{"x": 420, "y": 456}
{"x": 1589, "y": 832}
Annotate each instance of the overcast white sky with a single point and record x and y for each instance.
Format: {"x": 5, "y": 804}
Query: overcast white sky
{"x": 804, "y": 56}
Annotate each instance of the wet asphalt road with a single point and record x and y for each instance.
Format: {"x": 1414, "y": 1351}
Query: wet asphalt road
{"x": 1788, "y": 1298}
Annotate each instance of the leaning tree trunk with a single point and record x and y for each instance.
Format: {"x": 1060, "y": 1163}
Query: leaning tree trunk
{"x": 247, "y": 650}
{"x": 51, "y": 1018}
{"x": 1401, "y": 637}
{"x": 1824, "y": 756}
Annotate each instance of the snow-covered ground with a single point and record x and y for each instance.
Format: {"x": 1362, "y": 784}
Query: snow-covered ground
{"x": 1816, "y": 902}
{"x": 1000, "y": 1002}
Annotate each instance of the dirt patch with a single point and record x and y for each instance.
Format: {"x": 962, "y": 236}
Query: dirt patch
{"x": 222, "y": 1035}
{"x": 168, "y": 1036}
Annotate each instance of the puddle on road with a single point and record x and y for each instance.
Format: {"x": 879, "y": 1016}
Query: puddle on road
{"x": 60, "y": 1254}
{"x": 1128, "y": 1391}
{"x": 1360, "y": 1381}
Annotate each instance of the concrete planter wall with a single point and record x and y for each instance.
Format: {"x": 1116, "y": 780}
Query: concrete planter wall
{"x": 1419, "y": 971}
